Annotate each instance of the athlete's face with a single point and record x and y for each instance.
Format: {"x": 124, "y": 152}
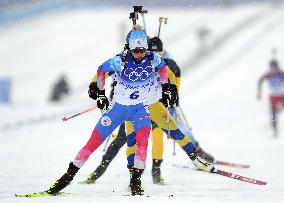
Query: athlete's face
{"x": 273, "y": 70}
{"x": 139, "y": 54}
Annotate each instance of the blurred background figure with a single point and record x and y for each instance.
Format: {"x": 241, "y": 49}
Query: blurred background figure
{"x": 5, "y": 89}
{"x": 275, "y": 79}
{"x": 204, "y": 39}
{"x": 60, "y": 89}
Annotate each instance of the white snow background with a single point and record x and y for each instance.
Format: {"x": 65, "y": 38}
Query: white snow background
{"x": 218, "y": 96}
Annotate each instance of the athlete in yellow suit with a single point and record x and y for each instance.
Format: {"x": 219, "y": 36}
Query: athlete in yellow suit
{"x": 160, "y": 117}
{"x": 162, "y": 122}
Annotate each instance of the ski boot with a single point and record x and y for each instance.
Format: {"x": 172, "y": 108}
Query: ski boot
{"x": 200, "y": 163}
{"x": 92, "y": 177}
{"x": 156, "y": 172}
{"x": 135, "y": 182}
{"x": 130, "y": 175}
{"x": 201, "y": 153}
{"x": 65, "y": 180}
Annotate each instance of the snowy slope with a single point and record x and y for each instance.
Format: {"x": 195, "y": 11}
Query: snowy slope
{"x": 218, "y": 98}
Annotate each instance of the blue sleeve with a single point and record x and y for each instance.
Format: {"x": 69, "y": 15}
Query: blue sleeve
{"x": 166, "y": 55}
{"x": 158, "y": 62}
{"x": 113, "y": 64}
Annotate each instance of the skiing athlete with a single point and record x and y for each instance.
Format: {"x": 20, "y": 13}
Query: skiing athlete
{"x": 140, "y": 79}
{"x": 135, "y": 74}
{"x": 275, "y": 79}
{"x": 162, "y": 121}
{"x": 158, "y": 113}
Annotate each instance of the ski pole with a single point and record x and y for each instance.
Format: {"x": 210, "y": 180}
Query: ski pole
{"x": 168, "y": 122}
{"x": 183, "y": 116}
{"x": 274, "y": 52}
{"x": 104, "y": 149}
{"x": 78, "y": 114}
{"x": 169, "y": 131}
{"x": 162, "y": 20}
{"x": 143, "y": 18}
{"x": 174, "y": 142}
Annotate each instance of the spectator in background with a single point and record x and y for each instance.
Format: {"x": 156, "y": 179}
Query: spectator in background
{"x": 275, "y": 78}
{"x": 59, "y": 89}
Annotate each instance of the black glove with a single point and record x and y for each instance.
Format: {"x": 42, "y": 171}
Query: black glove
{"x": 102, "y": 101}
{"x": 169, "y": 95}
{"x": 93, "y": 90}
{"x": 174, "y": 95}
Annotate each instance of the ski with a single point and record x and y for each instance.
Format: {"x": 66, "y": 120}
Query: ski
{"x": 217, "y": 162}
{"x": 129, "y": 195}
{"x": 41, "y": 194}
{"x": 86, "y": 182}
{"x": 229, "y": 175}
{"x": 239, "y": 177}
{"x": 181, "y": 166}
{"x": 235, "y": 165}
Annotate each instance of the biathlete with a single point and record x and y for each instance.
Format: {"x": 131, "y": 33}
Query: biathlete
{"x": 160, "y": 124}
{"x": 136, "y": 86}
{"x": 275, "y": 79}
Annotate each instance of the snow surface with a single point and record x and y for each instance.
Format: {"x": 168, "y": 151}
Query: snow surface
{"x": 218, "y": 96}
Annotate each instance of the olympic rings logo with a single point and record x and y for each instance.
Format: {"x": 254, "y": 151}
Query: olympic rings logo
{"x": 138, "y": 73}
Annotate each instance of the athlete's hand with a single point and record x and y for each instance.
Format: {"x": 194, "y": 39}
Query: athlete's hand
{"x": 169, "y": 95}
{"x": 102, "y": 101}
{"x": 93, "y": 90}
{"x": 174, "y": 95}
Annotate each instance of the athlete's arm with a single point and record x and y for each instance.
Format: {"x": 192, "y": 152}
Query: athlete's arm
{"x": 173, "y": 72}
{"x": 260, "y": 81}
{"x": 107, "y": 67}
{"x": 259, "y": 85}
{"x": 161, "y": 68}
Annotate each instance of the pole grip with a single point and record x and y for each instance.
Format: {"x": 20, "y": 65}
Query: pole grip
{"x": 162, "y": 20}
